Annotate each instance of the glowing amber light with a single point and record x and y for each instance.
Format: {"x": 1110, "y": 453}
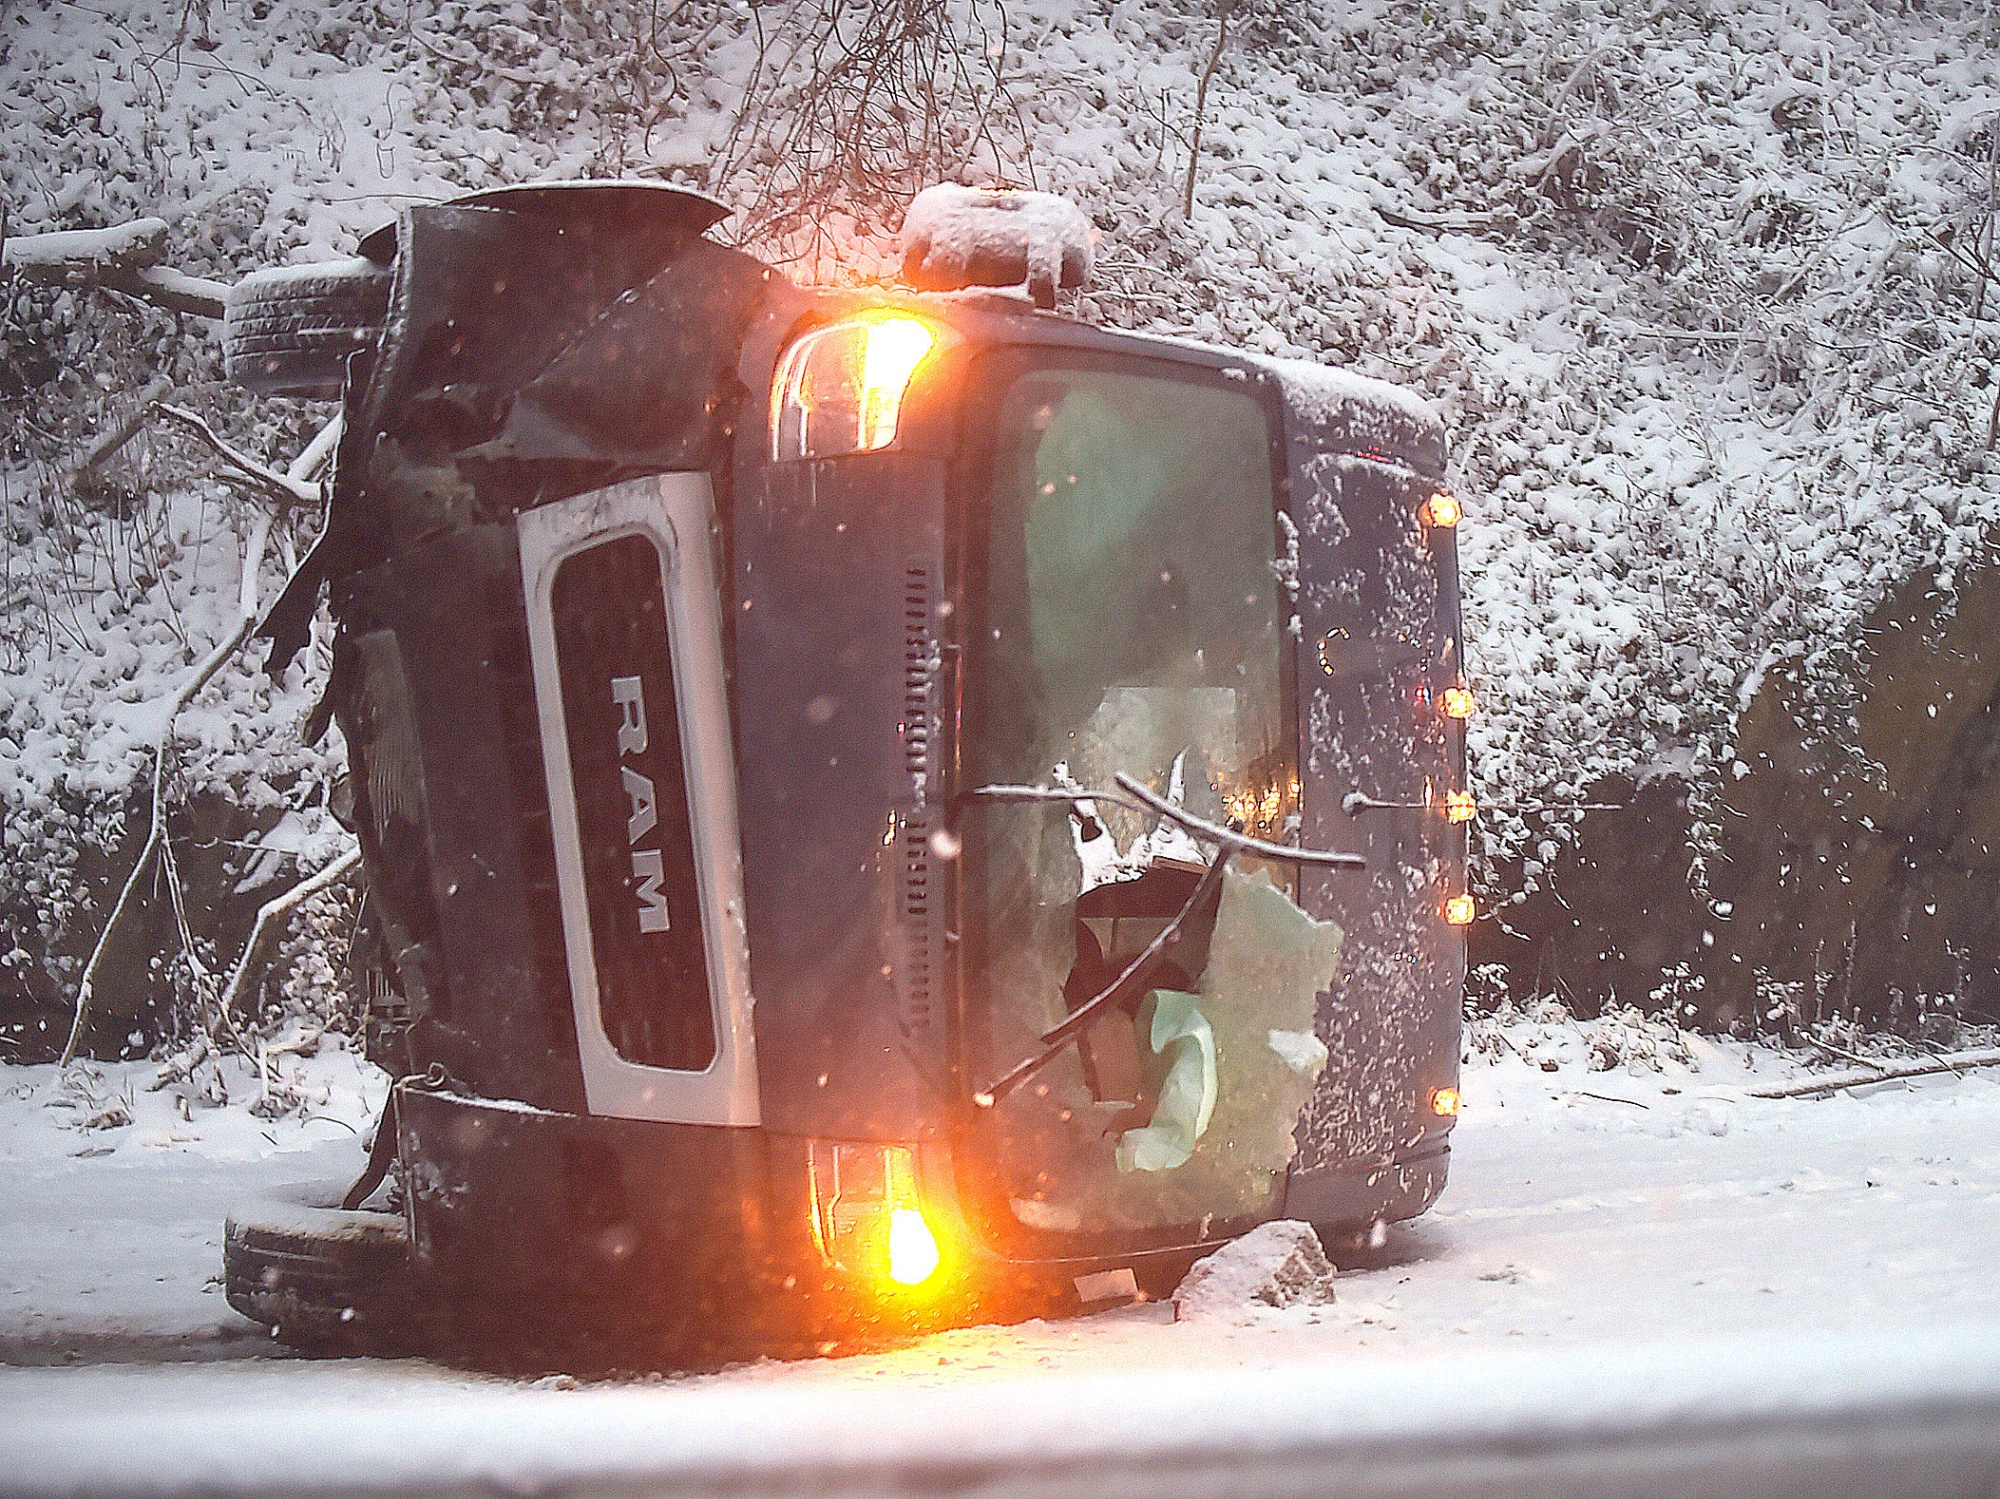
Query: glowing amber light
{"x": 1460, "y": 807}
{"x": 1442, "y": 509}
{"x": 1458, "y": 702}
{"x": 913, "y": 1250}
{"x": 1444, "y": 1102}
{"x": 896, "y": 346}
{"x": 840, "y": 388}
{"x": 1460, "y": 910}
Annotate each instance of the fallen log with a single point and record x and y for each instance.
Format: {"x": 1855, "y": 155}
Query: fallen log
{"x": 1889, "y": 1072}
{"x": 123, "y": 258}
{"x": 66, "y": 252}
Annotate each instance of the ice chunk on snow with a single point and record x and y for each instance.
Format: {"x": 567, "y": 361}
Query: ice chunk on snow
{"x": 1275, "y": 1265}
{"x": 1302, "y": 1050}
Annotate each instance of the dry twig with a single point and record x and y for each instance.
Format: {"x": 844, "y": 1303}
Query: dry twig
{"x": 270, "y": 919}
{"x": 1224, "y": 9}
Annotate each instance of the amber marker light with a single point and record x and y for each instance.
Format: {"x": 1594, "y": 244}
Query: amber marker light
{"x": 868, "y": 1218}
{"x": 1458, "y": 702}
{"x": 1444, "y": 1102}
{"x": 840, "y": 389}
{"x": 1460, "y": 807}
{"x": 1460, "y": 910}
{"x": 913, "y": 1248}
{"x": 1442, "y": 509}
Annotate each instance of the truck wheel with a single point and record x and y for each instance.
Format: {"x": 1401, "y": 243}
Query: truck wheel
{"x": 288, "y": 331}
{"x": 318, "y": 1276}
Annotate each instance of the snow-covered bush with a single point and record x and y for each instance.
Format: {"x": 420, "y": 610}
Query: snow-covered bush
{"x": 1546, "y": 1033}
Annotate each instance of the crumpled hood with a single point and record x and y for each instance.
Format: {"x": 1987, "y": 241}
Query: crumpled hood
{"x": 533, "y": 350}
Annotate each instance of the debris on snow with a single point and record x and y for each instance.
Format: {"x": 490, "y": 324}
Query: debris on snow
{"x": 1276, "y": 1265}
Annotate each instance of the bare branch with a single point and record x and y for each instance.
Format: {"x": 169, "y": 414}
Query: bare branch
{"x": 156, "y": 832}
{"x": 1223, "y": 12}
{"x": 116, "y": 436}
{"x": 270, "y": 918}
{"x": 1887, "y": 1074}
{"x": 283, "y": 488}
{"x": 246, "y": 620}
{"x": 313, "y": 457}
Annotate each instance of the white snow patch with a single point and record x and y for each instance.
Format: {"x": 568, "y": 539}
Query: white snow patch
{"x": 1322, "y": 392}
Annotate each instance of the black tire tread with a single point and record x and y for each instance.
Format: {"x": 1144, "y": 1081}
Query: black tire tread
{"x": 290, "y": 333}
{"x": 320, "y": 1276}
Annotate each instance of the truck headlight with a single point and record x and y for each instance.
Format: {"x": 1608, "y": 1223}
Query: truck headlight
{"x": 839, "y": 389}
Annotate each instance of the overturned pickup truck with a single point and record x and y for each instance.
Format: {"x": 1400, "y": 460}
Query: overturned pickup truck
{"x": 881, "y": 807}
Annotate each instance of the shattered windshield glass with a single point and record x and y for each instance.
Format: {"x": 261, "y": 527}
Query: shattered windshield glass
{"x": 1126, "y": 573}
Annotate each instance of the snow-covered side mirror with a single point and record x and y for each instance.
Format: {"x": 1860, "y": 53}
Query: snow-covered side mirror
{"x": 956, "y": 237}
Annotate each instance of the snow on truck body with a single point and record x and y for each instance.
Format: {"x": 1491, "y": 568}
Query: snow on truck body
{"x": 798, "y": 737}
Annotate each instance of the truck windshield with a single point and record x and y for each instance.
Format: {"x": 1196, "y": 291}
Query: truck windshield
{"x": 1126, "y": 575}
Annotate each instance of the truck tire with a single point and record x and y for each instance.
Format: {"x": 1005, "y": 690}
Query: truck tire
{"x": 318, "y": 1276}
{"x": 289, "y": 331}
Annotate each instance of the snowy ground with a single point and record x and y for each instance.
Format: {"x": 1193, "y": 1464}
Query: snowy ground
{"x": 111, "y": 1234}
{"x": 1614, "y": 1246}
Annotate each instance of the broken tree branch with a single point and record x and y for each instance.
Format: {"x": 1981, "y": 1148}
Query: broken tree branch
{"x": 270, "y": 919}
{"x": 157, "y": 829}
{"x": 1847, "y": 1056}
{"x": 1888, "y": 1074}
{"x": 1435, "y": 223}
{"x": 49, "y": 258}
{"x": 124, "y": 258}
{"x": 156, "y": 832}
{"x": 313, "y": 457}
{"x": 121, "y": 432}
{"x": 283, "y": 488}
{"x": 165, "y": 287}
